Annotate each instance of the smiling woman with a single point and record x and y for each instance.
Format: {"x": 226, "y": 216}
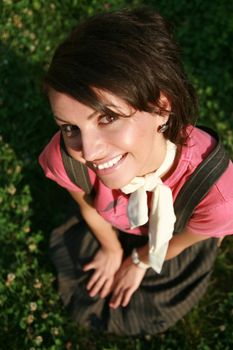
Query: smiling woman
{"x": 100, "y": 140}
{"x": 162, "y": 193}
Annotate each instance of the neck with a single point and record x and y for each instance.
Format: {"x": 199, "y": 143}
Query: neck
{"x": 174, "y": 165}
{"x": 155, "y": 160}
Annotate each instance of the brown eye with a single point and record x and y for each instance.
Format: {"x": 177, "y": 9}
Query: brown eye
{"x": 108, "y": 119}
{"x": 70, "y": 130}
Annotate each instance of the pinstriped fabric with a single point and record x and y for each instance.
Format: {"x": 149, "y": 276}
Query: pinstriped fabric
{"x": 76, "y": 171}
{"x": 195, "y": 198}
{"x": 199, "y": 184}
{"x": 160, "y": 301}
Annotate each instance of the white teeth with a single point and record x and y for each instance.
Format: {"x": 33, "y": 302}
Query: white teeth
{"x": 108, "y": 164}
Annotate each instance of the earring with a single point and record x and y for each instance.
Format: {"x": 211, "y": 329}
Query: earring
{"x": 162, "y": 128}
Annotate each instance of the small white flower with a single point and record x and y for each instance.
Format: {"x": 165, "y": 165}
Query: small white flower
{"x": 44, "y": 315}
{"x": 37, "y": 284}
{"x": 33, "y": 306}
{"x": 10, "y": 277}
{"x": 11, "y": 189}
{"x": 38, "y": 340}
{"x": 32, "y": 247}
{"x": 54, "y": 330}
{"x": 30, "y": 319}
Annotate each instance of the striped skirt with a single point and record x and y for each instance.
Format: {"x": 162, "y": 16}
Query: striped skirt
{"x": 160, "y": 301}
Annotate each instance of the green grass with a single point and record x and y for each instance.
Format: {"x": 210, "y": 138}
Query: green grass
{"x": 31, "y": 314}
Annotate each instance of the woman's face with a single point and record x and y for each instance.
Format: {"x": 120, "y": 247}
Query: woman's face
{"x": 117, "y": 149}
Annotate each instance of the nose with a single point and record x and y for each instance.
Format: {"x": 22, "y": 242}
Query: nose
{"x": 94, "y": 145}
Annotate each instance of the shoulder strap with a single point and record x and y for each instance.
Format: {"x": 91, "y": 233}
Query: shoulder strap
{"x": 76, "y": 171}
{"x": 200, "y": 182}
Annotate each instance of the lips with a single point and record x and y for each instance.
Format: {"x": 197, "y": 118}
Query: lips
{"x": 109, "y": 164}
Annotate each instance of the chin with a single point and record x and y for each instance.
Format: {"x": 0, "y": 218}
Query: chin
{"x": 111, "y": 185}
{"x": 115, "y": 185}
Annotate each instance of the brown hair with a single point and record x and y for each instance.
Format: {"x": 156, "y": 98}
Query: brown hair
{"x": 132, "y": 54}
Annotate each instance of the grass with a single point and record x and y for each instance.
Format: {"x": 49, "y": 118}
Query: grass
{"x": 31, "y": 206}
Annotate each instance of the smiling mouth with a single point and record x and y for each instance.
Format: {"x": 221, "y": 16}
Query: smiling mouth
{"x": 108, "y": 164}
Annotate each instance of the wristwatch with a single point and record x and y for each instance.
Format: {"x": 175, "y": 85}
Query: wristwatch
{"x": 137, "y": 261}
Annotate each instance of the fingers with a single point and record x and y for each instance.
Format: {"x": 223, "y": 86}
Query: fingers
{"x": 122, "y": 283}
{"x": 127, "y": 297}
{"x": 116, "y": 299}
{"x": 98, "y": 283}
{"x": 102, "y": 286}
{"x": 94, "y": 278}
{"x": 106, "y": 288}
{"x": 89, "y": 266}
{"x": 121, "y": 296}
{"x": 97, "y": 286}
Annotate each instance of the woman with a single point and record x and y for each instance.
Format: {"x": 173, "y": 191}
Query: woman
{"x": 126, "y": 111}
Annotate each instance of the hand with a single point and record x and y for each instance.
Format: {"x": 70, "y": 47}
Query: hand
{"x": 127, "y": 280}
{"x": 105, "y": 263}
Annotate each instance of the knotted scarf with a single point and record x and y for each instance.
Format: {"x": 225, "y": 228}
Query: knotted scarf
{"x": 161, "y": 217}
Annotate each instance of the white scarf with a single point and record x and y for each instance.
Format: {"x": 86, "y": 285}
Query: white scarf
{"x": 162, "y": 216}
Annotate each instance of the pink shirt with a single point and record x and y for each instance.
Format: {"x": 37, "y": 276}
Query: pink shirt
{"x": 213, "y": 216}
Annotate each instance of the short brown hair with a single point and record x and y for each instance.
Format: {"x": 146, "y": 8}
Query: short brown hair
{"x": 132, "y": 54}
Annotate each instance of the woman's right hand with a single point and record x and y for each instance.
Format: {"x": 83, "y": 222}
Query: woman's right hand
{"x": 105, "y": 263}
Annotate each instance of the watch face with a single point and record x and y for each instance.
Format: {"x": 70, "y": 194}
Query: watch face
{"x": 134, "y": 257}
{"x": 136, "y": 260}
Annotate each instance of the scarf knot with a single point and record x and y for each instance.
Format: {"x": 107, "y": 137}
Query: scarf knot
{"x": 162, "y": 217}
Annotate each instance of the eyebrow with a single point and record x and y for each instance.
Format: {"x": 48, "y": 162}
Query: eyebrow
{"x": 65, "y": 121}
{"x": 61, "y": 120}
{"x": 89, "y": 117}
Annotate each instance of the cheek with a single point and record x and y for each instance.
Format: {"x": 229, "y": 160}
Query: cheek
{"x": 137, "y": 138}
{"x": 127, "y": 138}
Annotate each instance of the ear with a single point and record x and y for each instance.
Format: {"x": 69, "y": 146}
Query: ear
{"x": 164, "y": 106}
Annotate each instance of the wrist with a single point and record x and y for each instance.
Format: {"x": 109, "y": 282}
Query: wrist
{"x": 112, "y": 242}
{"x": 137, "y": 261}
{"x": 113, "y": 248}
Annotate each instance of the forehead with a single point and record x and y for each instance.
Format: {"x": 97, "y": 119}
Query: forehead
{"x": 63, "y": 104}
